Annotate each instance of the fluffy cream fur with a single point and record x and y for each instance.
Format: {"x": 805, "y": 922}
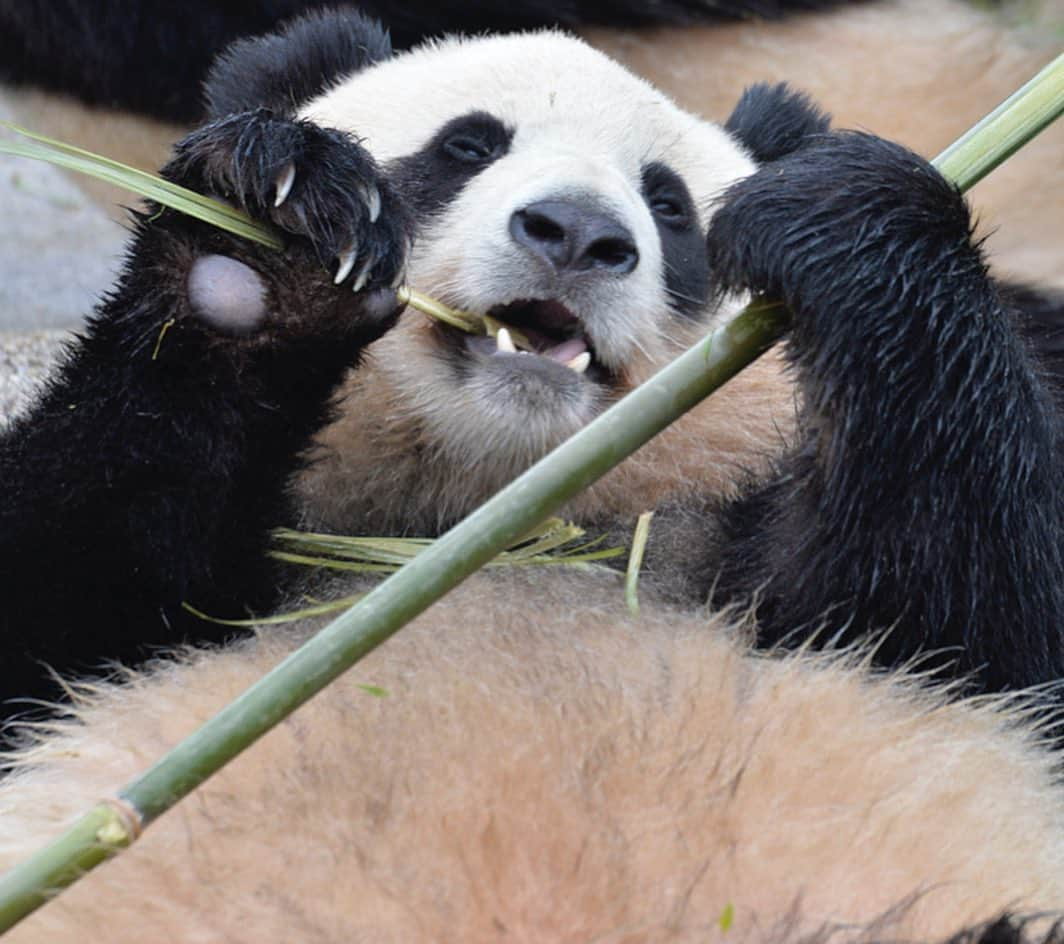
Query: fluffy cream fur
{"x": 554, "y": 772}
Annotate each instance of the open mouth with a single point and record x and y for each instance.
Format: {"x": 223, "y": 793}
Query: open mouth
{"x": 541, "y": 329}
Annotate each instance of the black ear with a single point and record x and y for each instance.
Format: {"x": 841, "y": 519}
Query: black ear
{"x": 284, "y": 69}
{"x": 774, "y": 120}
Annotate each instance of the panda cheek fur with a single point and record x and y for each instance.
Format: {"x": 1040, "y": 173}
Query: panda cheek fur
{"x": 227, "y": 294}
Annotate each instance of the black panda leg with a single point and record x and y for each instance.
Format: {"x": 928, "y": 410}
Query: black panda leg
{"x": 923, "y": 497}
{"x": 151, "y": 471}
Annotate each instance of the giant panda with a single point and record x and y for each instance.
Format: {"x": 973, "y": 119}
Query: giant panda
{"x": 529, "y": 760}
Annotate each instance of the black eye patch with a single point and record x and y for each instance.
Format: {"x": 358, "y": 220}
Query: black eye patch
{"x": 682, "y": 240}
{"x": 432, "y": 177}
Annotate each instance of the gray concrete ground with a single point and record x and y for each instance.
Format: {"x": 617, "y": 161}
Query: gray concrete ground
{"x": 58, "y": 252}
{"x": 58, "y": 249}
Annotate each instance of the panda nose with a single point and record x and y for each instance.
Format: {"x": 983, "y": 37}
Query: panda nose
{"x": 575, "y": 236}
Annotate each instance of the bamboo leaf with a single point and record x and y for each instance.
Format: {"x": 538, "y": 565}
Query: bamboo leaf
{"x": 278, "y": 619}
{"x": 552, "y": 542}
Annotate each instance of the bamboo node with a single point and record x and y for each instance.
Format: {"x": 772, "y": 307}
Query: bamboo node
{"x": 125, "y": 827}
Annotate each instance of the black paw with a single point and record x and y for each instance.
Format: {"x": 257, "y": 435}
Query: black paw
{"x": 316, "y": 185}
{"x": 844, "y": 225}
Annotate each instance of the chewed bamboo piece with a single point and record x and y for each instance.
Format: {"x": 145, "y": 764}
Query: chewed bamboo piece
{"x": 153, "y": 187}
{"x": 457, "y": 318}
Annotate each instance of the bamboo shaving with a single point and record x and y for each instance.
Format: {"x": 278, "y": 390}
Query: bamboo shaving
{"x": 635, "y": 562}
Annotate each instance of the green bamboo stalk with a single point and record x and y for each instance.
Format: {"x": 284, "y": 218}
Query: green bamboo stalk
{"x": 990, "y": 142}
{"x": 501, "y": 521}
{"x": 97, "y": 836}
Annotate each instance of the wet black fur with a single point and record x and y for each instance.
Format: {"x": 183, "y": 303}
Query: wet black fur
{"x": 1010, "y": 929}
{"x": 922, "y": 495}
{"x": 152, "y": 55}
{"x": 294, "y": 65}
{"x": 774, "y": 120}
{"x": 150, "y": 473}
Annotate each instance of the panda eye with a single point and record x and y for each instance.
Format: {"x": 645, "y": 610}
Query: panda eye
{"x": 668, "y": 198}
{"x": 475, "y": 139}
{"x": 669, "y": 210}
{"x": 470, "y": 149}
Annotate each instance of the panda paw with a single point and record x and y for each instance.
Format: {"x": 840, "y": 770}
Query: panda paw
{"x": 848, "y": 229}
{"x": 316, "y": 185}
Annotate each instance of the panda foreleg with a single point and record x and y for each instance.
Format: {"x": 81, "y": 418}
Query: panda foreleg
{"x": 153, "y": 468}
{"x": 922, "y": 497}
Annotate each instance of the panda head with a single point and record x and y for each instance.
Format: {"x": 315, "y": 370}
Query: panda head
{"x": 554, "y": 191}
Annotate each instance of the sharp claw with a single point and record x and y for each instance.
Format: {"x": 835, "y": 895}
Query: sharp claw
{"x": 285, "y": 179}
{"x": 363, "y": 276}
{"x": 372, "y": 198}
{"x": 346, "y": 264}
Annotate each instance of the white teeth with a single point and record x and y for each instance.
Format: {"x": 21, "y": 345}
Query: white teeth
{"x": 372, "y": 197}
{"x": 347, "y": 263}
{"x": 505, "y": 342}
{"x": 285, "y": 179}
{"x": 580, "y": 362}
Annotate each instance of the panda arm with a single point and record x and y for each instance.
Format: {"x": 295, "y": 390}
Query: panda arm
{"x": 151, "y": 471}
{"x": 923, "y": 496}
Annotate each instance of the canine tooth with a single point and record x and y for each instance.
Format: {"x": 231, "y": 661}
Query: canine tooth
{"x": 347, "y": 263}
{"x": 285, "y": 179}
{"x": 372, "y": 197}
{"x": 505, "y": 342}
{"x": 580, "y": 362}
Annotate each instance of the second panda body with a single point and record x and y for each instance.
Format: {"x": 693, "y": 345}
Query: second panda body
{"x": 553, "y": 735}
{"x": 529, "y": 762}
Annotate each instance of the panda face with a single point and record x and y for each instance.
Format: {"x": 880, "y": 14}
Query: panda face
{"x": 555, "y": 192}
